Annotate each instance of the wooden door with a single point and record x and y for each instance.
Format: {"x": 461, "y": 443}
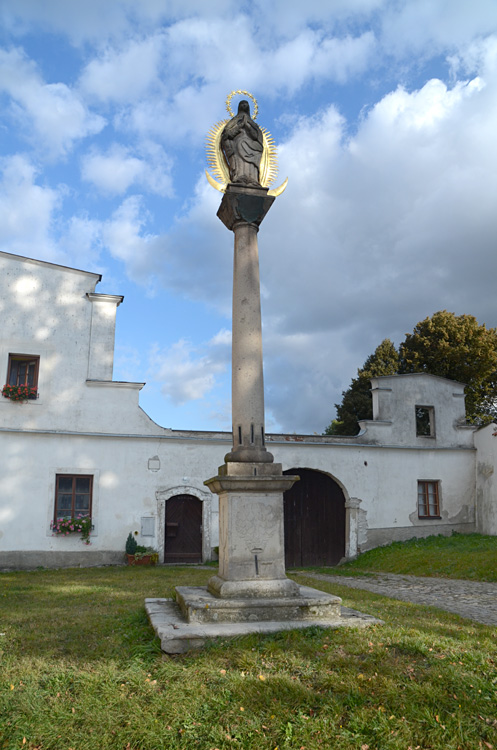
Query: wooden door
{"x": 314, "y": 520}
{"x": 183, "y": 542}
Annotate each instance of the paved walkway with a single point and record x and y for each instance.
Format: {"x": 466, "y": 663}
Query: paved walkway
{"x": 471, "y": 599}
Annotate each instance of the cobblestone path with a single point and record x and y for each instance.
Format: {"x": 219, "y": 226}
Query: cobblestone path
{"x": 471, "y": 599}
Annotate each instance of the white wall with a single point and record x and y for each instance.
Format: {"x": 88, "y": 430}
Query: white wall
{"x": 85, "y": 423}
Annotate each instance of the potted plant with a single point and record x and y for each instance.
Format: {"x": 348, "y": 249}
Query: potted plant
{"x": 136, "y": 554}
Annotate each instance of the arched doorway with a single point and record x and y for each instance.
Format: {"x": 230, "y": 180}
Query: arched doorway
{"x": 314, "y": 520}
{"x": 183, "y": 534}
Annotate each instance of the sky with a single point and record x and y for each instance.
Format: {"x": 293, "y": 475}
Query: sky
{"x": 384, "y": 113}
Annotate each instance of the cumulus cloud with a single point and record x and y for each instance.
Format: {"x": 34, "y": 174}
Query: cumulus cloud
{"x": 56, "y": 114}
{"x": 186, "y": 103}
{"x": 95, "y": 21}
{"x": 386, "y": 218}
{"x": 374, "y": 233}
{"x": 116, "y": 170}
{"x": 123, "y": 236}
{"x": 185, "y": 374}
{"x": 125, "y": 73}
{"x": 429, "y": 27}
{"x": 26, "y": 210}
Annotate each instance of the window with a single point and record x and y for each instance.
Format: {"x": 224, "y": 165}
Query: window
{"x": 73, "y": 493}
{"x": 23, "y": 370}
{"x": 425, "y": 421}
{"x": 428, "y": 500}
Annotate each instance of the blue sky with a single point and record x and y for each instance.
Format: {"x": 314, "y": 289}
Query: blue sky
{"x": 385, "y": 114}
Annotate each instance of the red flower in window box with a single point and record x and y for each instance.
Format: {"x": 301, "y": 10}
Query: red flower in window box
{"x": 19, "y": 392}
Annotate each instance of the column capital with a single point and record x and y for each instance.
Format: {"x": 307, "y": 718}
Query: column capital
{"x": 244, "y": 205}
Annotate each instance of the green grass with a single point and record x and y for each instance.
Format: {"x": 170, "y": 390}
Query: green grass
{"x": 80, "y": 668}
{"x": 467, "y": 556}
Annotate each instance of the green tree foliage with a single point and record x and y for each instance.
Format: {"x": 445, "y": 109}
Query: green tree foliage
{"x": 357, "y": 402}
{"x": 451, "y": 346}
{"x": 459, "y": 348}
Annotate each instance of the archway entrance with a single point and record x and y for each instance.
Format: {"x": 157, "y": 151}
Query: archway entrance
{"x": 183, "y": 540}
{"x": 314, "y": 520}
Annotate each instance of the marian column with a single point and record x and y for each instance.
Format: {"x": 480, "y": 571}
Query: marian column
{"x": 251, "y": 587}
{"x": 250, "y": 485}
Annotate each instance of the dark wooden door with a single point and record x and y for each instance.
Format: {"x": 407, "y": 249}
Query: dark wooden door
{"x": 183, "y": 541}
{"x": 314, "y": 520}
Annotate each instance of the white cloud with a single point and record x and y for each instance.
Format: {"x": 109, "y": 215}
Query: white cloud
{"x": 95, "y": 20}
{"x": 426, "y": 27}
{"x": 116, "y": 170}
{"x": 26, "y": 210}
{"x": 126, "y": 73}
{"x": 170, "y": 83}
{"x": 80, "y": 240}
{"x": 56, "y": 115}
{"x": 123, "y": 236}
{"x": 386, "y": 219}
{"x": 185, "y": 374}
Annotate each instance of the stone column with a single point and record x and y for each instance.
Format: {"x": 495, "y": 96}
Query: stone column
{"x": 242, "y": 210}
{"x": 250, "y": 485}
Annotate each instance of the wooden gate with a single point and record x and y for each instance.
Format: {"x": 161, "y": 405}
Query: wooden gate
{"x": 183, "y": 542}
{"x": 314, "y": 520}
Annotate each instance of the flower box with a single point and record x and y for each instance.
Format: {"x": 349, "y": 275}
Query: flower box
{"x": 19, "y": 392}
{"x": 80, "y": 525}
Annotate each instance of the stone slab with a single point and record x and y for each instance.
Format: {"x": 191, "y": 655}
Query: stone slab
{"x": 258, "y": 588}
{"x": 177, "y": 636}
{"x": 197, "y": 604}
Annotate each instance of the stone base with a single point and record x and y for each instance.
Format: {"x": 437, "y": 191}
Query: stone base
{"x": 178, "y": 636}
{"x": 198, "y": 605}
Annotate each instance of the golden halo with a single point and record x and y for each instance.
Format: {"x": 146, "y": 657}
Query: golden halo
{"x": 247, "y": 93}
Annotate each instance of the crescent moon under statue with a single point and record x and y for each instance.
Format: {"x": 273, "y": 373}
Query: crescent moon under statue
{"x": 241, "y": 128}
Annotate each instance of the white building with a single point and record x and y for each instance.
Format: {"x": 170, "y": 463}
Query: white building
{"x": 83, "y": 444}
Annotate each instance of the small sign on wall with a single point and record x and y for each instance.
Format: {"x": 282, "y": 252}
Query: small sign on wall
{"x": 154, "y": 463}
{"x": 148, "y": 526}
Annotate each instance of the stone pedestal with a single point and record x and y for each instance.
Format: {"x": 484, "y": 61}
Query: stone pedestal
{"x": 306, "y": 605}
{"x": 251, "y": 541}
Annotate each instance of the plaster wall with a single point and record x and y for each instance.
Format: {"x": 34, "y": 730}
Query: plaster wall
{"x": 384, "y": 480}
{"x": 53, "y": 312}
{"x": 125, "y": 490}
{"x": 394, "y": 411}
{"x": 83, "y": 422}
{"x": 382, "y": 483}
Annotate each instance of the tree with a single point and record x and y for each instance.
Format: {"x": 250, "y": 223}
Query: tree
{"x": 356, "y": 400}
{"x": 459, "y": 348}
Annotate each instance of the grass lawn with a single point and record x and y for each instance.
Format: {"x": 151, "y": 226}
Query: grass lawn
{"x": 469, "y": 556}
{"x": 81, "y": 669}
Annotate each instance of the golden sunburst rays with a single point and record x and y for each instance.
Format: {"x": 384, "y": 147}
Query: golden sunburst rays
{"x": 215, "y": 158}
{"x": 269, "y": 162}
